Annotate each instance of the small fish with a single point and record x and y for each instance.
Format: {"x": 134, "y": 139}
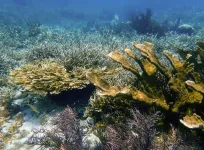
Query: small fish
{"x": 34, "y": 108}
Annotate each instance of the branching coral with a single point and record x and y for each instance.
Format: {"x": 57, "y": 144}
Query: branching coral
{"x": 13, "y": 129}
{"x": 166, "y": 88}
{"x": 197, "y": 57}
{"x": 6, "y": 94}
{"x": 48, "y": 77}
{"x": 34, "y": 28}
{"x": 75, "y": 47}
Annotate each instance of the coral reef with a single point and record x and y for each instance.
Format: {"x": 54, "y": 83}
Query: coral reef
{"x": 48, "y": 77}
{"x": 77, "y": 45}
{"x": 167, "y": 88}
{"x": 6, "y": 111}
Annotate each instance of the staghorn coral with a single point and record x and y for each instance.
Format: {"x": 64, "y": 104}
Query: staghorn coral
{"x": 34, "y": 28}
{"x": 165, "y": 87}
{"x": 13, "y": 129}
{"x": 48, "y": 77}
{"x": 6, "y": 95}
{"x": 74, "y": 48}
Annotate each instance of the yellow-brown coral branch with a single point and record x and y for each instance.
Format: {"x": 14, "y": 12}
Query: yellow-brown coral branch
{"x": 142, "y": 97}
{"x": 105, "y": 88}
{"x": 197, "y": 87}
{"x": 147, "y": 52}
{"x": 145, "y": 65}
{"x": 193, "y": 122}
{"x": 174, "y": 60}
{"x": 149, "y": 68}
{"x": 116, "y": 56}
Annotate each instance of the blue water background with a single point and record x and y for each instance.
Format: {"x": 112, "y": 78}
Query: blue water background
{"x": 54, "y": 11}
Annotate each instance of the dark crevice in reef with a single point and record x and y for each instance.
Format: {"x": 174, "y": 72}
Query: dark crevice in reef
{"x": 76, "y": 98}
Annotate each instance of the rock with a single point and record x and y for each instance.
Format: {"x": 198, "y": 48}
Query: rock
{"x": 185, "y": 29}
{"x": 84, "y": 131}
{"x": 18, "y": 101}
{"x": 15, "y": 108}
{"x": 20, "y": 95}
{"x": 90, "y": 121}
{"x": 92, "y": 142}
{"x": 29, "y": 97}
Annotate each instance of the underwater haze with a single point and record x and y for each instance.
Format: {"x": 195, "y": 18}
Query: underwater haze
{"x": 92, "y": 6}
{"x": 101, "y": 75}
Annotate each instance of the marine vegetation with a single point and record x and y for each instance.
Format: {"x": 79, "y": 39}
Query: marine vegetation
{"x": 174, "y": 88}
{"x": 140, "y": 132}
{"x": 65, "y": 133}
